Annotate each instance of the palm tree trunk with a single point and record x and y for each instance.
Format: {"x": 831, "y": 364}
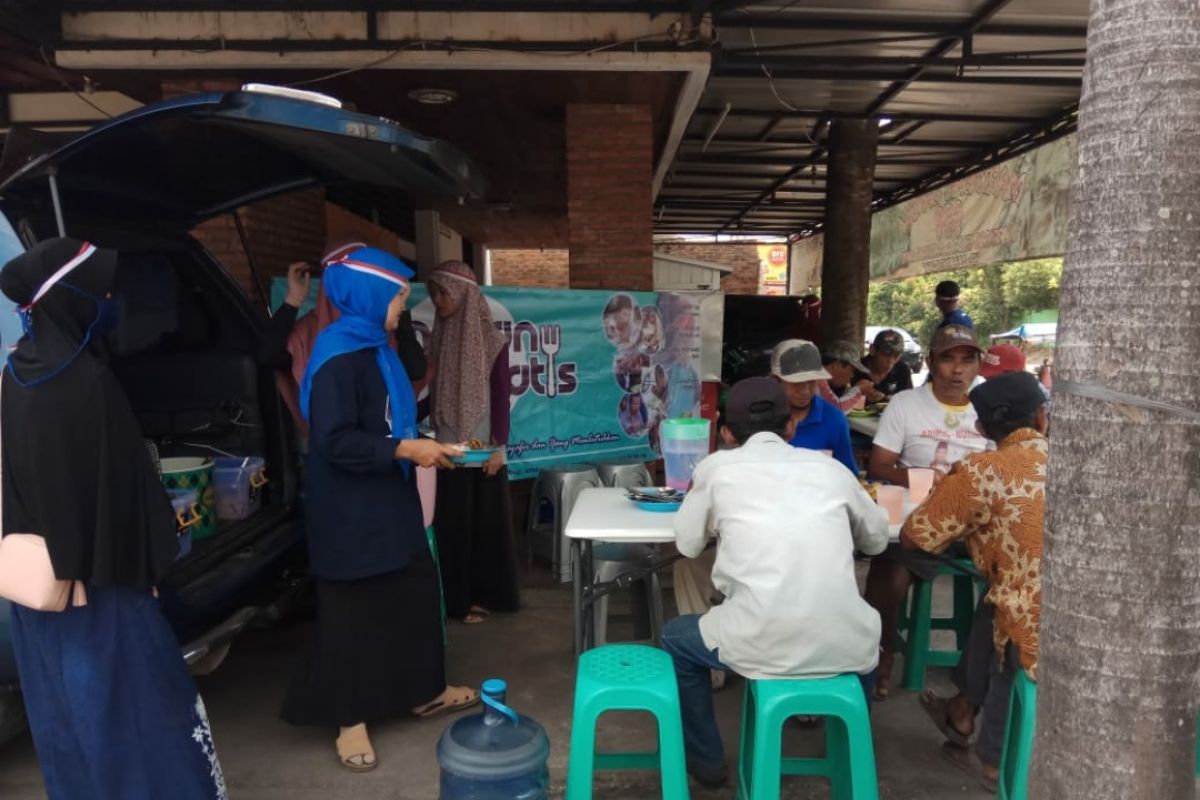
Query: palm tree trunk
{"x": 1120, "y": 645}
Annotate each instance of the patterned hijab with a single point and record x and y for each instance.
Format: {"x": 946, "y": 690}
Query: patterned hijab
{"x": 463, "y": 348}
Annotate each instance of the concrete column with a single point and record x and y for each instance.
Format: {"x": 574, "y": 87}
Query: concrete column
{"x": 428, "y": 236}
{"x": 610, "y": 210}
{"x": 846, "y": 265}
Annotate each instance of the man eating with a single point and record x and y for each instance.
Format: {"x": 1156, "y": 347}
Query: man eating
{"x": 817, "y": 423}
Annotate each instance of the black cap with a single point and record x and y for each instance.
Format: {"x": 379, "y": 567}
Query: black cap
{"x": 1011, "y": 396}
{"x": 888, "y": 342}
{"x": 756, "y": 400}
{"x": 947, "y": 290}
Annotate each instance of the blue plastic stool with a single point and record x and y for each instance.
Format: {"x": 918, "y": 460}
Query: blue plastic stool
{"x": 849, "y": 761}
{"x": 1018, "y": 740}
{"x": 626, "y": 677}
{"x": 917, "y": 624}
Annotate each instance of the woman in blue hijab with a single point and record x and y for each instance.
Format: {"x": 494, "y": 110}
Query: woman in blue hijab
{"x": 377, "y": 649}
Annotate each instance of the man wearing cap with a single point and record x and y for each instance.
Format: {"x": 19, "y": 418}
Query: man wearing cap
{"x": 995, "y": 503}
{"x": 931, "y": 426}
{"x": 1004, "y": 358}
{"x": 841, "y": 360}
{"x": 788, "y": 521}
{"x": 817, "y": 423}
{"x": 945, "y": 296}
{"x": 883, "y": 367}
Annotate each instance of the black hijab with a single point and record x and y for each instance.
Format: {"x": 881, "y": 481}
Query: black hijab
{"x": 75, "y": 468}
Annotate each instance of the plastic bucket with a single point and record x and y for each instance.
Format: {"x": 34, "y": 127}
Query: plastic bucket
{"x": 684, "y": 444}
{"x": 187, "y": 516}
{"x": 239, "y": 483}
{"x": 196, "y": 475}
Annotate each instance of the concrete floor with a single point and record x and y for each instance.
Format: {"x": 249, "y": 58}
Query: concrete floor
{"x": 265, "y": 759}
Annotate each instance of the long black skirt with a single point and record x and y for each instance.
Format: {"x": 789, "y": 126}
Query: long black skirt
{"x": 477, "y": 551}
{"x": 376, "y": 651}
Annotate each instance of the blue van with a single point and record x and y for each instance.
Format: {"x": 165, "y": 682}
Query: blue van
{"x": 185, "y": 348}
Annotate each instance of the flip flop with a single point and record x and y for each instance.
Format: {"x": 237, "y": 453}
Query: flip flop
{"x": 966, "y": 760}
{"x": 938, "y": 710}
{"x": 456, "y": 698}
{"x": 476, "y": 615}
{"x": 354, "y": 743}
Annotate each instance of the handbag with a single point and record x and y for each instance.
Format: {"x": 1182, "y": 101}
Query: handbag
{"x": 26, "y": 574}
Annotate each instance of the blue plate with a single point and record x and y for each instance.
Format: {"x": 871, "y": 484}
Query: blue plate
{"x": 648, "y": 505}
{"x": 474, "y": 456}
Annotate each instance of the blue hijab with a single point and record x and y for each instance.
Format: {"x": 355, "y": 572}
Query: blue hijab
{"x": 361, "y": 285}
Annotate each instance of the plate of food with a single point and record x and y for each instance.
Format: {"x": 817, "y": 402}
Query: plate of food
{"x": 474, "y": 452}
{"x": 655, "y": 498}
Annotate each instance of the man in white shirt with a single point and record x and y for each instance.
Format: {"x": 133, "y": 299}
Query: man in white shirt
{"x": 787, "y": 522}
{"x": 930, "y": 426}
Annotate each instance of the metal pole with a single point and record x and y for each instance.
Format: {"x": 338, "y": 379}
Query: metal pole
{"x": 58, "y": 215}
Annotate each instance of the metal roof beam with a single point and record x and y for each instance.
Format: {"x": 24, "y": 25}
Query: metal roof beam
{"x": 903, "y": 81}
{"x": 894, "y": 25}
{"x": 1014, "y": 60}
{"x": 899, "y": 116}
{"x": 697, "y": 160}
{"x": 752, "y": 144}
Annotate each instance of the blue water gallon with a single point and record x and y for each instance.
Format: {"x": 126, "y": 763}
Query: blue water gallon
{"x": 495, "y": 755}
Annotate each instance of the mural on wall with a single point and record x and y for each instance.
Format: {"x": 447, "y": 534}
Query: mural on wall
{"x": 1013, "y": 211}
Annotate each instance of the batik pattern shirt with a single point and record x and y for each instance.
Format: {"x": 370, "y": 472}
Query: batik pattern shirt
{"x": 995, "y": 502}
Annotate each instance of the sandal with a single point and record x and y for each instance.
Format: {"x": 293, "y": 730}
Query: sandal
{"x": 352, "y": 744}
{"x": 884, "y": 677}
{"x": 455, "y": 698}
{"x": 966, "y": 760}
{"x": 938, "y": 709}
{"x": 476, "y": 615}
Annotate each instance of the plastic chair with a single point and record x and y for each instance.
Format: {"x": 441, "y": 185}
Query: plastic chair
{"x": 559, "y": 486}
{"x": 625, "y": 474}
{"x": 1018, "y": 740}
{"x": 919, "y": 622}
{"x": 613, "y": 560}
{"x": 849, "y": 760}
{"x": 626, "y": 677}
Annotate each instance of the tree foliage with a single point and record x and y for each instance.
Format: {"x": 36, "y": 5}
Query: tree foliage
{"x": 997, "y": 297}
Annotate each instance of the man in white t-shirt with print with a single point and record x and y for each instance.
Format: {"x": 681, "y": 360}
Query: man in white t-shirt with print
{"x": 930, "y": 426}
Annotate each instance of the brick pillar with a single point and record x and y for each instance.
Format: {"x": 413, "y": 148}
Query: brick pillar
{"x": 610, "y": 172}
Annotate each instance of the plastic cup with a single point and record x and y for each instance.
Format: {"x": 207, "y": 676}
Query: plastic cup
{"x": 920, "y": 483}
{"x": 859, "y": 403}
{"x": 891, "y": 499}
{"x": 684, "y": 444}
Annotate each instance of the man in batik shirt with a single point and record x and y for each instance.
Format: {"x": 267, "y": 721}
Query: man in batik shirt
{"x": 995, "y": 503}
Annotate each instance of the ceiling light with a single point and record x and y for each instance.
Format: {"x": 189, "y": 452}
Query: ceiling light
{"x": 885, "y": 121}
{"x": 433, "y": 97}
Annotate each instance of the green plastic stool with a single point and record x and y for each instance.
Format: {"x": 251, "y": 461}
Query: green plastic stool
{"x": 849, "y": 761}
{"x": 431, "y": 537}
{"x": 1018, "y": 740}
{"x": 626, "y": 677}
{"x": 919, "y": 622}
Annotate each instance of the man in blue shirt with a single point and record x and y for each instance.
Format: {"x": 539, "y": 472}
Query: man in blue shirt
{"x": 945, "y": 296}
{"x": 820, "y": 425}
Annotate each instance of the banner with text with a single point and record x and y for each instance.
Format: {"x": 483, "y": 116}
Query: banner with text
{"x": 592, "y": 373}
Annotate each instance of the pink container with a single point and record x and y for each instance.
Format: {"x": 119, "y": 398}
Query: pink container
{"x": 427, "y": 488}
{"x": 920, "y": 483}
{"x": 891, "y": 499}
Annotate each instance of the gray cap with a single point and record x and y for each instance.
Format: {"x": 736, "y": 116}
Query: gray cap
{"x": 797, "y": 361}
{"x": 756, "y": 400}
{"x": 845, "y": 352}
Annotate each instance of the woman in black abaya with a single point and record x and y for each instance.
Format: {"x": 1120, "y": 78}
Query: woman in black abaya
{"x": 114, "y": 713}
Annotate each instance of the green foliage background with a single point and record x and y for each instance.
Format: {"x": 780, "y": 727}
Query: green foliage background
{"x": 997, "y": 297}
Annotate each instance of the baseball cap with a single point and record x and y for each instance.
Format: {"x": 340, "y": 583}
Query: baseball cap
{"x": 796, "y": 361}
{"x": 756, "y": 400}
{"x": 949, "y": 337}
{"x": 1002, "y": 358}
{"x": 947, "y": 290}
{"x": 843, "y": 351}
{"x": 1013, "y": 395}
{"x": 888, "y": 342}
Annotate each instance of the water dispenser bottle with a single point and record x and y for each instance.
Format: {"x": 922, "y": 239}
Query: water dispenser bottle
{"x": 495, "y": 755}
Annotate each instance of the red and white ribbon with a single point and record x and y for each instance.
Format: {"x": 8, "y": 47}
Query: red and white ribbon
{"x": 370, "y": 269}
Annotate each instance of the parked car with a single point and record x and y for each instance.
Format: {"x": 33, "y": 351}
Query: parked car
{"x": 912, "y": 356}
{"x": 185, "y": 347}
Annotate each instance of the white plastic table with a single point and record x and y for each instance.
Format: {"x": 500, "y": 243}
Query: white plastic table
{"x": 605, "y": 515}
{"x": 867, "y": 426}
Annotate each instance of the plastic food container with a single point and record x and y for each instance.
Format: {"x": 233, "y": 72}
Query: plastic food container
{"x": 239, "y": 483}
{"x": 187, "y": 516}
{"x": 194, "y": 475}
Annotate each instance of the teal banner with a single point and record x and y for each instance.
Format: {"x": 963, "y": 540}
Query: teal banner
{"x": 592, "y": 374}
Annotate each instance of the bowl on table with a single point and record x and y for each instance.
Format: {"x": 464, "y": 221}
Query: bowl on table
{"x": 660, "y": 499}
{"x": 474, "y": 455}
